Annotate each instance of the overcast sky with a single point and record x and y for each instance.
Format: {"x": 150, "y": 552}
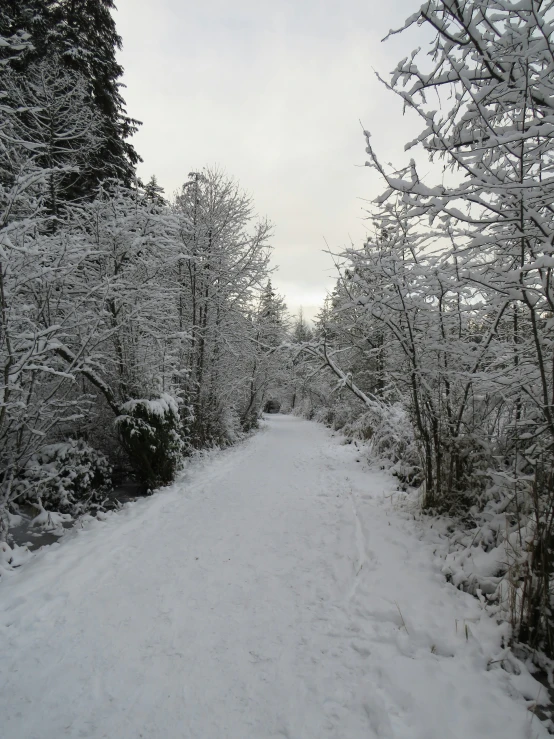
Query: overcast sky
{"x": 273, "y": 92}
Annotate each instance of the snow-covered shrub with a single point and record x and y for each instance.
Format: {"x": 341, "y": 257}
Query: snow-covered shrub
{"x": 323, "y": 415}
{"x": 304, "y": 408}
{"x": 341, "y": 416}
{"x": 250, "y": 420}
{"x": 150, "y": 431}
{"x": 335, "y": 411}
{"x": 218, "y": 424}
{"x": 68, "y": 476}
{"x": 503, "y": 553}
{"x": 392, "y": 439}
{"x": 225, "y": 427}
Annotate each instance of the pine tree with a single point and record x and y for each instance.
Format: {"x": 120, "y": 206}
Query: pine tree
{"x": 154, "y": 192}
{"x": 81, "y": 34}
{"x": 54, "y": 120}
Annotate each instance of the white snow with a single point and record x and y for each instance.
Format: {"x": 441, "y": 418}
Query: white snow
{"x": 273, "y": 591}
{"x": 162, "y": 406}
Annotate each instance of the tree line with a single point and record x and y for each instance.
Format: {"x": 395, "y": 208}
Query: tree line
{"x": 134, "y": 328}
{"x": 438, "y": 338}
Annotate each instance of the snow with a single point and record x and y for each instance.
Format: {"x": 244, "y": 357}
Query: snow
{"x": 50, "y": 520}
{"x": 273, "y": 591}
{"x": 165, "y": 404}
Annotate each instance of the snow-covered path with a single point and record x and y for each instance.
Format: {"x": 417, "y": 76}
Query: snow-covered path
{"x": 272, "y": 592}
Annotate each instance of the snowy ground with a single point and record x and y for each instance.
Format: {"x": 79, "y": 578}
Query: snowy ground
{"x": 274, "y": 591}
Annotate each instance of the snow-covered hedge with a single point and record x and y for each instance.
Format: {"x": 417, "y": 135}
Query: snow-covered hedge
{"x": 150, "y": 431}
{"x": 68, "y": 477}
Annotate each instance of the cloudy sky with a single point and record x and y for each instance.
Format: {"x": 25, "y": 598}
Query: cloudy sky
{"x": 272, "y": 91}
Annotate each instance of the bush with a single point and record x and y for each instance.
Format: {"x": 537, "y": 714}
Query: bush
{"x": 150, "y": 431}
{"x": 392, "y": 440}
{"x": 68, "y": 477}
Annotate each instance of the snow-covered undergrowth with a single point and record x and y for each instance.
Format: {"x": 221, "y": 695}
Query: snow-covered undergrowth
{"x": 78, "y": 487}
{"x": 391, "y": 440}
{"x": 487, "y": 553}
{"x": 492, "y": 560}
{"x": 69, "y": 476}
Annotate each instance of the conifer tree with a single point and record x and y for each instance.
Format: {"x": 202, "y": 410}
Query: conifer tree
{"x": 302, "y": 331}
{"x": 82, "y": 36}
{"x": 154, "y": 192}
{"x": 271, "y": 317}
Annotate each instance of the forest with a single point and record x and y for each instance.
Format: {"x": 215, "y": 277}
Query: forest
{"x": 137, "y": 328}
{"x": 439, "y": 332}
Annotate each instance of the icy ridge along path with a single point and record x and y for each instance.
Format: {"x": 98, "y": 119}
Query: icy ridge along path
{"x": 272, "y": 592}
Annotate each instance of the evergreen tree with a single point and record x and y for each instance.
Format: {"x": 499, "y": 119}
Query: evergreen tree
{"x": 302, "y": 331}
{"x": 54, "y": 120}
{"x": 271, "y": 317}
{"x": 82, "y": 36}
{"x": 154, "y": 192}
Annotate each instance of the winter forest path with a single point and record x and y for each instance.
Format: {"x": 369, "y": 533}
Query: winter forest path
{"x": 272, "y": 592}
